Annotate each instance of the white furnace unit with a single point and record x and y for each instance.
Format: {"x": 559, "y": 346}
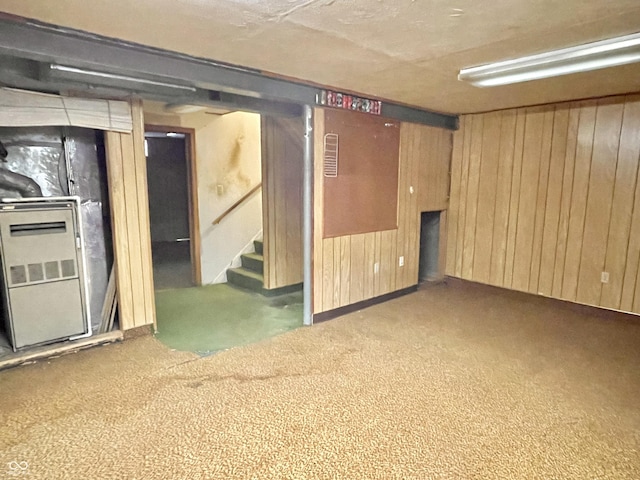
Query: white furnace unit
{"x": 44, "y": 288}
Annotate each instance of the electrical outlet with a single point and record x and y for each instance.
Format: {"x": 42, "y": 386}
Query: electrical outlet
{"x": 604, "y": 277}
{"x": 220, "y": 189}
{"x": 376, "y": 267}
{"x": 401, "y": 261}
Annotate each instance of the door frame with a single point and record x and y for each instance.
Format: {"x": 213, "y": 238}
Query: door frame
{"x": 192, "y": 185}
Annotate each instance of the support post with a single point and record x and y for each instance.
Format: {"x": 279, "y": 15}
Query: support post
{"x": 307, "y": 217}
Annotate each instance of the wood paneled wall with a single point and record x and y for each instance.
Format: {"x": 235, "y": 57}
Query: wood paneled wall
{"x": 127, "y": 178}
{"x": 282, "y": 162}
{"x": 546, "y": 199}
{"x": 434, "y": 168}
{"x": 345, "y": 267}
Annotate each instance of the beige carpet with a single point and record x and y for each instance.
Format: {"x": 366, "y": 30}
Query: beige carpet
{"x": 447, "y": 383}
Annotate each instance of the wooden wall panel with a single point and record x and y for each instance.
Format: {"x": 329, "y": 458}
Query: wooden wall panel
{"x": 565, "y": 204}
{"x": 629, "y": 151}
{"x": 604, "y": 158}
{"x": 126, "y": 168}
{"x": 434, "y": 168}
{"x": 454, "y": 201}
{"x": 503, "y": 193}
{"x": 352, "y": 268}
{"x": 282, "y": 153}
{"x": 514, "y": 200}
{"x": 322, "y": 277}
{"x": 486, "y": 204}
{"x": 564, "y": 207}
{"x": 553, "y": 200}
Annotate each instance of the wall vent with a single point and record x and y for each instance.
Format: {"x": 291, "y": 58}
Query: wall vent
{"x": 331, "y": 155}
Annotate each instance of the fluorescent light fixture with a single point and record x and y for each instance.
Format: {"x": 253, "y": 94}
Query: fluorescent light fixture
{"x": 113, "y": 76}
{"x": 582, "y": 58}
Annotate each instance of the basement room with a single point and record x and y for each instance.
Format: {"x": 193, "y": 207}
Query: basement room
{"x": 299, "y": 239}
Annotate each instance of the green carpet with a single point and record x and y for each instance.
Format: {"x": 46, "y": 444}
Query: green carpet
{"x": 208, "y": 319}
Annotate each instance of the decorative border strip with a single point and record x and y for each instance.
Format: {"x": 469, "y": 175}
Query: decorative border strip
{"x": 329, "y": 98}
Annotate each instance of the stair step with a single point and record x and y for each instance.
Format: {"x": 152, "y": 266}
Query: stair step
{"x": 258, "y": 245}
{"x": 244, "y": 278}
{"x": 253, "y": 261}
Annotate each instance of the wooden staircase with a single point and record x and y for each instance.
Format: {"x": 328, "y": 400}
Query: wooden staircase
{"x": 250, "y": 275}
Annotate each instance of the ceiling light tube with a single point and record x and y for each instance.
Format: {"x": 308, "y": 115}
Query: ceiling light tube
{"x": 582, "y": 58}
{"x": 113, "y": 76}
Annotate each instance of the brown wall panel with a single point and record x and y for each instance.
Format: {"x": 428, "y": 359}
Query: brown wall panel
{"x": 282, "y": 153}
{"x": 433, "y": 168}
{"x": 568, "y": 176}
{"x": 363, "y": 197}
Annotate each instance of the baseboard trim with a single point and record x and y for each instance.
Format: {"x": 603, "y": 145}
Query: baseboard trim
{"x": 63, "y": 348}
{"x": 338, "y": 312}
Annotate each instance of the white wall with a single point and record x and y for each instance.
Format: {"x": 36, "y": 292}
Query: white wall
{"x": 228, "y": 164}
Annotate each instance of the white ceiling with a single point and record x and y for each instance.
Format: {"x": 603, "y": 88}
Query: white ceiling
{"x": 408, "y": 51}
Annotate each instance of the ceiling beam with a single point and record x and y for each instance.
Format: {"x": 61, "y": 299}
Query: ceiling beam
{"x": 48, "y": 43}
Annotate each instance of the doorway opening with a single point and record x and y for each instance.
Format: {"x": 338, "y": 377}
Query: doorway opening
{"x": 429, "y": 267}
{"x": 174, "y": 241}
{"x": 244, "y": 183}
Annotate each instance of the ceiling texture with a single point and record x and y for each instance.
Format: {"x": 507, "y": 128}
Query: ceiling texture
{"x": 407, "y": 51}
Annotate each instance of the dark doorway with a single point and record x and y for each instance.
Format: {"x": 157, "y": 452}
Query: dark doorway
{"x": 429, "y": 247}
{"x": 169, "y": 212}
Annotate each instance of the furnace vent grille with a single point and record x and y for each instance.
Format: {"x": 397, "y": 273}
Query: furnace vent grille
{"x": 39, "y": 272}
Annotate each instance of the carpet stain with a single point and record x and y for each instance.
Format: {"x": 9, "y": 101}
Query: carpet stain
{"x": 446, "y": 383}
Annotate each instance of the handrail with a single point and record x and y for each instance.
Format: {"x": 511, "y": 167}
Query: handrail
{"x": 244, "y": 198}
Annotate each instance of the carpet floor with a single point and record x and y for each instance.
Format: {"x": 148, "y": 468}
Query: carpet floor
{"x": 452, "y": 382}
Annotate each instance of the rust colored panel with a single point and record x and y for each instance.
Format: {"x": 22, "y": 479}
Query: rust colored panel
{"x": 364, "y": 196}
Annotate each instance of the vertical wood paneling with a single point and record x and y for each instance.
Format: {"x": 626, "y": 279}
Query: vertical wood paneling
{"x": 113, "y": 145}
{"x": 126, "y": 169}
{"x": 541, "y": 198}
{"x": 622, "y": 207}
{"x": 582, "y": 171}
{"x": 514, "y": 201}
{"x": 503, "y": 194}
{"x": 369, "y": 260}
{"x": 475, "y": 160}
{"x": 454, "y": 201}
{"x": 357, "y": 269}
{"x": 630, "y": 155}
{"x": 326, "y": 282}
{"x": 604, "y": 159}
{"x": 434, "y": 164}
{"x": 377, "y": 255}
{"x": 404, "y": 198}
{"x": 486, "y": 204}
{"x": 525, "y": 229}
{"x": 337, "y": 270}
{"x": 464, "y": 182}
{"x": 565, "y": 205}
{"x": 321, "y": 285}
{"x": 142, "y": 192}
{"x": 553, "y": 200}
{"x": 569, "y": 175}
{"x": 345, "y": 269}
{"x": 412, "y": 231}
{"x": 281, "y": 140}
